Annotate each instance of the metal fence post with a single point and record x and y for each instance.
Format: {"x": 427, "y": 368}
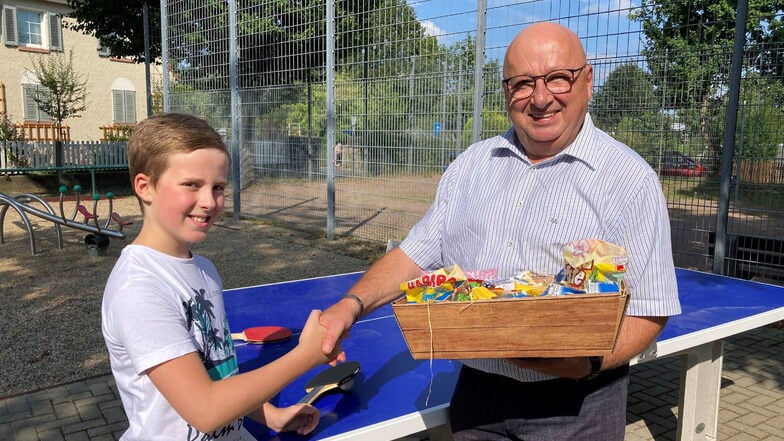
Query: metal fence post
{"x": 728, "y": 145}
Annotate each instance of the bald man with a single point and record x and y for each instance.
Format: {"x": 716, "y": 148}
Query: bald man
{"x": 510, "y": 203}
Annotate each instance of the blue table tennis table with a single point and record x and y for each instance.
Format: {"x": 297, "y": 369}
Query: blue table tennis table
{"x": 394, "y": 395}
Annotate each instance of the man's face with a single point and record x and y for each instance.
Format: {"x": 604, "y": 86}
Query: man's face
{"x": 546, "y": 122}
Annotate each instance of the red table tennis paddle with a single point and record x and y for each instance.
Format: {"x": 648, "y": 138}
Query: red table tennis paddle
{"x": 262, "y": 334}
{"x": 337, "y": 377}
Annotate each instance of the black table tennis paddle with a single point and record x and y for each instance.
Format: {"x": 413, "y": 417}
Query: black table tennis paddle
{"x": 337, "y": 377}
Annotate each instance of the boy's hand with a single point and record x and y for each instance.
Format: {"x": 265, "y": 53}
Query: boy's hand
{"x": 311, "y": 339}
{"x": 302, "y": 418}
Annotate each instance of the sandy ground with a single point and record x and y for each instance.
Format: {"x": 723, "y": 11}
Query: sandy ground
{"x": 51, "y": 332}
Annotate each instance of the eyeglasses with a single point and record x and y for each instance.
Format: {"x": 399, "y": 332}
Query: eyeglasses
{"x": 557, "y": 82}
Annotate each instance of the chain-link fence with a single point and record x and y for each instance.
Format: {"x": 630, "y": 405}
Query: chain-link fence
{"x": 342, "y": 114}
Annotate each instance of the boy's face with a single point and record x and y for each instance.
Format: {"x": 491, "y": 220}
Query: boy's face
{"x": 187, "y": 199}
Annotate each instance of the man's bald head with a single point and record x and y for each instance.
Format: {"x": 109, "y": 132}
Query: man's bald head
{"x": 536, "y": 41}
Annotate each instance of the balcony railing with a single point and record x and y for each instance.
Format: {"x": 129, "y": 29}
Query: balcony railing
{"x": 116, "y": 132}
{"x": 42, "y": 131}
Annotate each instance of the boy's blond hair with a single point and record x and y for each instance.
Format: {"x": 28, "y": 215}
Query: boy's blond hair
{"x": 159, "y": 136}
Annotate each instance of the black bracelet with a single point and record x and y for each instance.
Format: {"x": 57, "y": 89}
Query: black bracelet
{"x": 596, "y": 367}
{"x": 359, "y": 302}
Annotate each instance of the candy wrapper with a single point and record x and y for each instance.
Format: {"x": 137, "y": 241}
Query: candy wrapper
{"x": 435, "y": 278}
{"x": 436, "y": 285}
{"x": 590, "y": 266}
{"x": 593, "y": 265}
{"x": 448, "y": 284}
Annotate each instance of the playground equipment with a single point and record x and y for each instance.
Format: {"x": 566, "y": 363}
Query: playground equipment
{"x": 96, "y": 242}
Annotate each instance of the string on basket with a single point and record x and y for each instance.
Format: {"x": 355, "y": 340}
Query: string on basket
{"x": 430, "y": 328}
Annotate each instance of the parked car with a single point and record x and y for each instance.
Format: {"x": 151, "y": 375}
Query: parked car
{"x": 677, "y": 164}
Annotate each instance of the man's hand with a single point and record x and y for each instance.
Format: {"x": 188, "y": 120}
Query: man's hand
{"x": 338, "y": 319}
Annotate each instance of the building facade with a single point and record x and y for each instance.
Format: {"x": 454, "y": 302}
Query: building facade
{"x": 116, "y": 87}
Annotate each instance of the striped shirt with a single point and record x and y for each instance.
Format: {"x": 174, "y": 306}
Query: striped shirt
{"x": 495, "y": 210}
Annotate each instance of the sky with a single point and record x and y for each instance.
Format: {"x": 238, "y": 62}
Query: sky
{"x": 602, "y": 25}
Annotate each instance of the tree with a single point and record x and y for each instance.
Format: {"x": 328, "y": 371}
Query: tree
{"x": 63, "y": 93}
{"x": 759, "y": 123}
{"x": 688, "y": 49}
{"x": 627, "y": 93}
{"x": 9, "y": 134}
{"x": 279, "y": 42}
{"x": 119, "y": 25}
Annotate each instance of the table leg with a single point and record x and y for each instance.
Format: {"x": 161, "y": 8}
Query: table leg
{"x": 698, "y": 406}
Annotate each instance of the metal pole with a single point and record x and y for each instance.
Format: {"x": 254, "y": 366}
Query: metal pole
{"x": 739, "y": 161}
{"x": 234, "y": 144}
{"x": 365, "y": 127}
{"x": 411, "y": 117}
{"x": 330, "y": 106}
{"x": 442, "y": 132}
{"x": 310, "y": 126}
{"x": 663, "y": 113}
{"x": 722, "y": 213}
{"x": 147, "y": 82}
{"x": 165, "y": 56}
{"x": 479, "y": 63}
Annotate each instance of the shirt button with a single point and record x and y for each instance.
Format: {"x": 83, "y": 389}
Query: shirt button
{"x": 509, "y": 244}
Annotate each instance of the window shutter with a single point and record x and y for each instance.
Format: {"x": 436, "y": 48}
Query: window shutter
{"x": 124, "y": 106}
{"x": 55, "y": 33}
{"x": 9, "y": 26}
{"x": 28, "y": 99}
{"x": 31, "y": 110}
{"x": 130, "y": 106}
{"x": 118, "y": 107}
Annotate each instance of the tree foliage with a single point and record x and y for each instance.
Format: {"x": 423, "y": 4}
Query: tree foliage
{"x": 279, "y": 42}
{"x": 64, "y": 93}
{"x": 688, "y": 49}
{"x": 8, "y": 133}
{"x": 8, "y": 130}
{"x": 119, "y": 25}
{"x": 627, "y": 93}
{"x": 761, "y": 114}
{"x": 688, "y": 43}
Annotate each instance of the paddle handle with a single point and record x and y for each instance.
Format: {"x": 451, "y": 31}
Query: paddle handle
{"x": 311, "y": 396}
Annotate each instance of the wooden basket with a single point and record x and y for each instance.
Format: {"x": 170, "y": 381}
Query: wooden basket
{"x": 575, "y": 325}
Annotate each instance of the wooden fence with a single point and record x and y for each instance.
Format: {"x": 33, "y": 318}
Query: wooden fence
{"x": 760, "y": 172}
{"x": 20, "y": 157}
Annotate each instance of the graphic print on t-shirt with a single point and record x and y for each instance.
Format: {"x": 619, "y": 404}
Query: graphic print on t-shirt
{"x": 214, "y": 339}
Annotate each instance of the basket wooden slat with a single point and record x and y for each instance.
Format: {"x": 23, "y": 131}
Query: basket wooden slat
{"x": 550, "y": 326}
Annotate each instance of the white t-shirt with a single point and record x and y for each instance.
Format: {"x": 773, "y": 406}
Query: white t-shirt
{"x": 156, "y": 308}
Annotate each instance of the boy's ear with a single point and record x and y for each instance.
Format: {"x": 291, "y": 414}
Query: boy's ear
{"x": 142, "y": 186}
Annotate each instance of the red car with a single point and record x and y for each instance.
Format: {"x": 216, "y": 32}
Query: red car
{"x": 678, "y": 164}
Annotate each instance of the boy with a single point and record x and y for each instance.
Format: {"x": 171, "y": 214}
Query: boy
{"x": 163, "y": 318}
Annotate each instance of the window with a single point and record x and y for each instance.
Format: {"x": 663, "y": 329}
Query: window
{"x": 31, "y": 28}
{"x": 31, "y": 110}
{"x": 124, "y": 105}
{"x": 123, "y": 101}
